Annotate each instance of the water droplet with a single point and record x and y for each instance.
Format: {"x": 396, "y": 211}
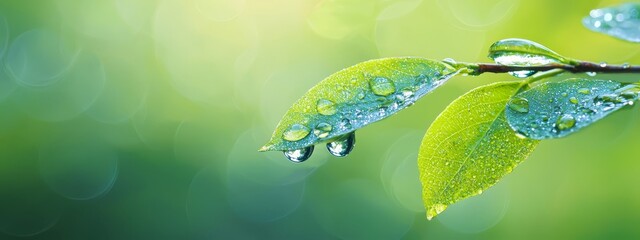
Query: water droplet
{"x": 382, "y": 86}
{"x": 564, "y": 94}
{"x": 573, "y": 100}
{"x": 435, "y": 210}
{"x": 584, "y": 91}
{"x": 326, "y": 107}
{"x": 360, "y": 95}
{"x": 299, "y": 155}
{"x": 522, "y": 74}
{"x": 608, "y": 106}
{"x": 407, "y": 93}
{"x": 450, "y": 61}
{"x": 603, "y": 64}
{"x": 322, "y": 130}
{"x": 565, "y": 122}
{"x": 610, "y": 98}
{"x": 519, "y": 104}
{"x": 626, "y": 66}
{"x": 345, "y": 124}
{"x": 343, "y": 145}
{"x": 591, "y": 74}
{"x": 295, "y": 132}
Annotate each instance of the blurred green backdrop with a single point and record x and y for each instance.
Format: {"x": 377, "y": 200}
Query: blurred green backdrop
{"x": 127, "y": 119}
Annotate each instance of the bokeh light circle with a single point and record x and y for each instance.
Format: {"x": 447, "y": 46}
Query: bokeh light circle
{"x": 478, "y": 213}
{"x": 79, "y": 170}
{"x": 40, "y": 57}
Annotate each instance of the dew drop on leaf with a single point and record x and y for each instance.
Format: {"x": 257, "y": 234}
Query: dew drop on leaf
{"x": 573, "y": 100}
{"x": 565, "y": 122}
{"x": 382, "y": 86}
{"x": 584, "y": 91}
{"x": 326, "y": 107}
{"x": 299, "y": 155}
{"x": 322, "y": 130}
{"x": 520, "y": 105}
{"x": 295, "y": 132}
{"x": 342, "y": 146}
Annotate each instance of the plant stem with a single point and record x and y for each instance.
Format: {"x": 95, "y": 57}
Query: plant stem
{"x": 578, "y": 68}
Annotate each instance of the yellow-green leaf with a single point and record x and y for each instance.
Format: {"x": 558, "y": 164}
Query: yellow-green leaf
{"x": 469, "y": 147}
{"x": 355, "y": 97}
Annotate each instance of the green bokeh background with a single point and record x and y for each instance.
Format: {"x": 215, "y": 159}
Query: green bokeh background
{"x": 141, "y": 119}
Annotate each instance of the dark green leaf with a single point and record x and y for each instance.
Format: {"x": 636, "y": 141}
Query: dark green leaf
{"x": 355, "y": 97}
{"x": 622, "y": 21}
{"x": 556, "y": 109}
{"x": 469, "y": 147}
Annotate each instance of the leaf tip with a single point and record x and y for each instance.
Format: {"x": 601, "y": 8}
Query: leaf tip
{"x": 264, "y": 148}
{"x": 435, "y": 209}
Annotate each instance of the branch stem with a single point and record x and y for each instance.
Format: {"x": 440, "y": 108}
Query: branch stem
{"x": 579, "y": 67}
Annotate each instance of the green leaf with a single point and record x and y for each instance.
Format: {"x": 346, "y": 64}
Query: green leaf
{"x": 469, "y": 147}
{"x": 524, "y": 53}
{"x": 622, "y": 21}
{"x": 355, "y": 97}
{"x": 556, "y": 109}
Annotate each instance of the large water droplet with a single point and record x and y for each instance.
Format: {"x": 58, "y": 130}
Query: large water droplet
{"x": 342, "y": 146}
{"x": 591, "y": 74}
{"x": 299, "y": 155}
{"x": 520, "y": 105}
{"x": 326, "y": 107}
{"x": 295, "y": 132}
{"x": 322, "y": 130}
{"x": 382, "y": 86}
{"x": 565, "y": 122}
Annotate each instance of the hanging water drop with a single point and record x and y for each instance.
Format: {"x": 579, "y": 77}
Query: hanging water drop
{"x": 343, "y": 145}
{"x": 322, "y": 130}
{"x": 519, "y": 104}
{"x": 626, "y": 66}
{"x": 591, "y": 74}
{"x": 326, "y": 107}
{"x": 565, "y": 122}
{"x": 382, "y": 86}
{"x": 299, "y": 155}
{"x": 603, "y": 64}
{"x": 295, "y": 132}
{"x": 522, "y": 74}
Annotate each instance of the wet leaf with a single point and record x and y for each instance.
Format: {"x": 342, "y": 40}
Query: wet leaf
{"x": 355, "y": 97}
{"x": 522, "y": 52}
{"x": 556, "y": 109}
{"x": 621, "y": 21}
{"x": 469, "y": 147}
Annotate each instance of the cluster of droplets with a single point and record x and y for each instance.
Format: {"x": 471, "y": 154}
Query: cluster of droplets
{"x": 386, "y": 98}
{"x": 339, "y": 147}
{"x": 583, "y": 107}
